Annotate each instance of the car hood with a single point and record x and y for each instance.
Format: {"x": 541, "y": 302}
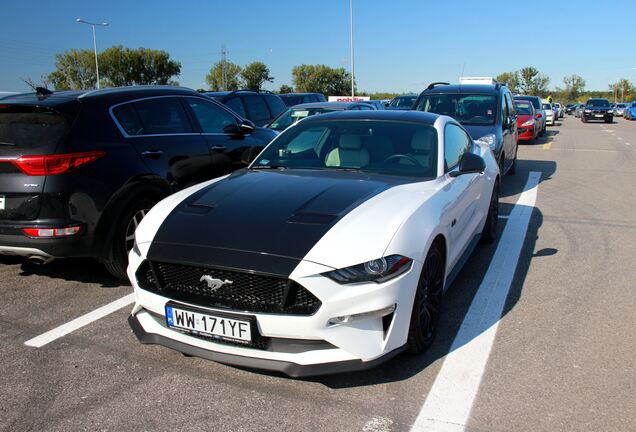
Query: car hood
{"x": 522, "y": 118}
{"x": 478, "y": 131}
{"x": 263, "y": 221}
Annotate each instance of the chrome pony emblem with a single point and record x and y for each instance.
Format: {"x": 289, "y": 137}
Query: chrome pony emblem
{"x": 214, "y": 284}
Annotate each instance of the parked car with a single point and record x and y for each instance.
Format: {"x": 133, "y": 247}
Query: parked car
{"x": 619, "y": 109}
{"x": 404, "y": 102}
{"x": 630, "y": 111}
{"x": 569, "y": 109}
{"x": 303, "y": 288}
{"x": 579, "y": 110}
{"x": 550, "y": 115}
{"x": 538, "y": 108}
{"x": 80, "y": 169}
{"x": 526, "y": 121}
{"x": 291, "y": 99}
{"x": 486, "y": 111}
{"x": 299, "y": 112}
{"x": 377, "y": 104}
{"x": 259, "y": 107}
{"x": 597, "y": 109}
{"x": 559, "y": 110}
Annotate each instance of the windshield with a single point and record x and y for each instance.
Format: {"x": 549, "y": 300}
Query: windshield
{"x": 620, "y": 106}
{"x": 293, "y": 115}
{"x": 393, "y": 148}
{"x": 523, "y": 108}
{"x": 598, "y": 103}
{"x": 547, "y": 106}
{"x": 534, "y": 100}
{"x": 403, "y": 101}
{"x": 466, "y": 108}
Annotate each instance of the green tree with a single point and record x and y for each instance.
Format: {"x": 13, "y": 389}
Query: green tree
{"x": 255, "y": 75}
{"x": 140, "y": 66}
{"x": 321, "y": 79}
{"x": 215, "y": 77}
{"x": 285, "y": 89}
{"x": 74, "y": 70}
{"x": 511, "y": 79}
{"x": 531, "y": 82}
{"x": 622, "y": 90}
{"x": 574, "y": 87}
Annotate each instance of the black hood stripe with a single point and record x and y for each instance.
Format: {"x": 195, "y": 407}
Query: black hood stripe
{"x": 262, "y": 221}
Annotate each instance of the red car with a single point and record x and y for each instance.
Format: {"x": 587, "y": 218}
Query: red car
{"x": 526, "y": 122}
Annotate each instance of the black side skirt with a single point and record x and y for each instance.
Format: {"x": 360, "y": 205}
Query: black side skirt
{"x": 293, "y": 370}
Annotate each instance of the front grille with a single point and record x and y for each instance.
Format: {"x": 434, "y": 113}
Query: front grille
{"x": 248, "y": 292}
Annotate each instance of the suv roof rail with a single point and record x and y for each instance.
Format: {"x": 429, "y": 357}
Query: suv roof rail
{"x": 434, "y": 84}
{"x": 250, "y": 90}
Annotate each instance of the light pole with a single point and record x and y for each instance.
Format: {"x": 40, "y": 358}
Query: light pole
{"x": 353, "y": 68}
{"x": 103, "y": 24}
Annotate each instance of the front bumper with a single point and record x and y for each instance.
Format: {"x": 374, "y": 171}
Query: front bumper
{"x": 320, "y": 347}
{"x": 598, "y": 116}
{"x": 526, "y": 133}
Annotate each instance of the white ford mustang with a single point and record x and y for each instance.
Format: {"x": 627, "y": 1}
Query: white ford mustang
{"x": 329, "y": 253}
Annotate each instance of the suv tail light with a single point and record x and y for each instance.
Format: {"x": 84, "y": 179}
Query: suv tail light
{"x": 42, "y": 165}
{"x": 52, "y": 232}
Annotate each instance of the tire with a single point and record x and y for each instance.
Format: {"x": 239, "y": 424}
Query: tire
{"x": 426, "y": 305}
{"x": 123, "y": 238}
{"x": 583, "y": 120}
{"x": 609, "y": 121}
{"x": 489, "y": 233}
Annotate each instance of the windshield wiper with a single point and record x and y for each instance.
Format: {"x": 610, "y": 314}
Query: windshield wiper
{"x": 8, "y": 144}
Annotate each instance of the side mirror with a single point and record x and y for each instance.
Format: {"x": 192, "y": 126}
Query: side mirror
{"x": 244, "y": 127}
{"x": 470, "y": 163}
{"x": 250, "y": 154}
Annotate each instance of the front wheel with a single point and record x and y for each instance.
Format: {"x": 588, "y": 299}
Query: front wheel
{"x": 489, "y": 233}
{"x": 124, "y": 237}
{"x": 426, "y": 306}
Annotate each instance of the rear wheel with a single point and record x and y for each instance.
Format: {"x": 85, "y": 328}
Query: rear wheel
{"x": 426, "y": 306}
{"x": 489, "y": 233}
{"x": 124, "y": 237}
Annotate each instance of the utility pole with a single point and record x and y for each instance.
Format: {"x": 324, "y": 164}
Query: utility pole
{"x": 622, "y": 91}
{"x": 353, "y": 68}
{"x": 224, "y": 54}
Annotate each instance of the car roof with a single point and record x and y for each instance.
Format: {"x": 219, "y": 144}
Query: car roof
{"x": 334, "y": 105}
{"x": 112, "y": 93}
{"x": 387, "y": 115}
{"x": 298, "y": 94}
{"x": 465, "y": 88}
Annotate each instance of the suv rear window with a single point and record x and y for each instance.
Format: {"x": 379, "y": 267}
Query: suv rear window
{"x": 257, "y": 108}
{"x": 29, "y": 126}
{"x": 276, "y": 105}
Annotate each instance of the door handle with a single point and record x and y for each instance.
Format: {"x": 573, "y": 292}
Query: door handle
{"x": 153, "y": 154}
{"x": 218, "y": 148}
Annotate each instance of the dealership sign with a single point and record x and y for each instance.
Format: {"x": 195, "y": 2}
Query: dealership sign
{"x": 348, "y": 98}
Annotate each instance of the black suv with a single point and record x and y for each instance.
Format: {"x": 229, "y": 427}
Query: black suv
{"x": 292, "y": 99}
{"x": 79, "y": 169}
{"x": 597, "y": 109}
{"x": 486, "y": 111}
{"x": 258, "y": 106}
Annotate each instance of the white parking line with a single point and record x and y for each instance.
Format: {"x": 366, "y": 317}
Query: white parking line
{"x": 450, "y": 400}
{"x": 77, "y": 323}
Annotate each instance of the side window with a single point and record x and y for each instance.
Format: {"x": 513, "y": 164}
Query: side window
{"x": 511, "y": 106}
{"x": 163, "y": 116}
{"x": 257, "y": 109}
{"x": 308, "y": 99}
{"x": 236, "y": 105}
{"x": 128, "y": 119}
{"x": 504, "y": 108}
{"x": 276, "y": 105}
{"x": 456, "y": 143}
{"x": 212, "y": 118}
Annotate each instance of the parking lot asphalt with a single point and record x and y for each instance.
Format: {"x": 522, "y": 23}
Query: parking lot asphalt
{"x": 562, "y": 358}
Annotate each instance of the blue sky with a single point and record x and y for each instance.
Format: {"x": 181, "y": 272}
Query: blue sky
{"x": 400, "y": 45}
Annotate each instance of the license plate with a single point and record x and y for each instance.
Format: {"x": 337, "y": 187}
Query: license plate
{"x": 1, "y": 202}
{"x": 599, "y": 115}
{"x": 206, "y": 324}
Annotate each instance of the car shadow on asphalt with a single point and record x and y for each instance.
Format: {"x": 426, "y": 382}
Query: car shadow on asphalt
{"x": 83, "y": 270}
{"x": 459, "y": 296}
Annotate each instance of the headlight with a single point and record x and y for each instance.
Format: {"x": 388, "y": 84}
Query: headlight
{"x": 490, "y": 140}
{"x": 587, "y": 110}
{"x": 528, "y": 123}
{"x": 377, "y": 270}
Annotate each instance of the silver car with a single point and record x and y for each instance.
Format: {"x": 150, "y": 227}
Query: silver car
{"x": 619, "y": 109}
{"x": 550, "y": 114}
